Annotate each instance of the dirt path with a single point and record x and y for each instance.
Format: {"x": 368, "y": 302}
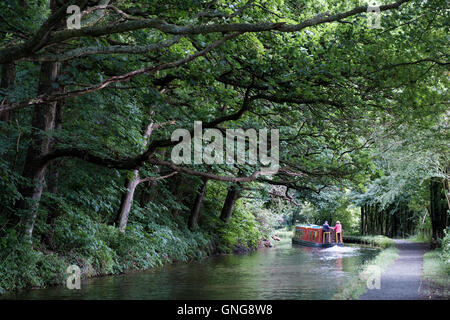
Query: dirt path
{"x": 403, "y": 279}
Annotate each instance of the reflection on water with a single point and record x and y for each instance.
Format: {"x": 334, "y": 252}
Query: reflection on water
{"x": 285, "y": 272}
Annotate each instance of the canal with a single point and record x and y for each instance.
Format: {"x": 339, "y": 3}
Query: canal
{"x": 285, "y": 272}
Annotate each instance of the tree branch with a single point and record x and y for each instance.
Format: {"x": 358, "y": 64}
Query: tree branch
{"x": 119, "y": 49}
{"x": 207, "y": 175}
{"x": 121, "y": 78}
{"x": 20, "y": 51}
{"x": 157, "y": 178}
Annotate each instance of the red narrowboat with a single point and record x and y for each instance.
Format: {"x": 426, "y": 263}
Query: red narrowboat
{"x": 313, "y": 236}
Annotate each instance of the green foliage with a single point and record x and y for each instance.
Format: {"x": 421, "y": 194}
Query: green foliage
{"x": 241, "y": 232}
{"x": 357, "y": 109}
{"x": 22, "y": 267}
{"x": 100, "y": 249}
{"x": 436, "y": 270}
{"x": 376, "y": 241}
{"x": 250, "y": 221}
{"x": 331, "y": 205}
{"x": 445, "y": 255}
{"x": 423, "y": 231}
{"x": 9, "y": 182}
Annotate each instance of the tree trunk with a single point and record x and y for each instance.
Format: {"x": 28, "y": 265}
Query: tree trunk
{"x": 42, "y": 122}
{"x": 396, "y": 223}
{"x": 127, "y": 201}
{"x": 362, "y": 221}
{"x": 380, "y": 221}
{"x": 131, "y": 184}
{"x": 438, "y": 207}
{"x": 389, "y": 224}
{"x": 433, "y": 209}
{"x": 54, "y": 166}
{"x": 366, "y": 218}
{"x": 179, "y": 194}
{"x": 386, "y": 222}
{"x": 370, "y": 220}
{"x": 444, "y": 206}
{"x": 150, "y": 190}
{"x": 376, "y": 220}
{"x": 446, "y": 183}
{"x": 53, "y": 181}
{"x": 402, "y": 221}
{"x": 195, "y": 212}
{"x": 228, "y": 205}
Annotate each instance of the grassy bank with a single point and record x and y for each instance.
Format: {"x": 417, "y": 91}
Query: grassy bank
{"x": 420, "y": 239}
{"x": 436, "y": 274}
{"x": 153, "y": 238}
{"x": 375, "y": 241}
{"x": 285, "y": 233}
{"x": 435, "y": 269}
{"x": 358, "y": 285}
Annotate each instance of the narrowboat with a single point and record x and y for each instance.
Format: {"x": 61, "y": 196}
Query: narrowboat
{"x": 313, "y": 236}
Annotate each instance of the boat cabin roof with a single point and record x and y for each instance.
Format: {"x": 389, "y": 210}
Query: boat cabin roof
{"x": 309, "y": 226}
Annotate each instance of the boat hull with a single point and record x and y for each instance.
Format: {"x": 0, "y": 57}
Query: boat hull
{"x": 315, "y": 244}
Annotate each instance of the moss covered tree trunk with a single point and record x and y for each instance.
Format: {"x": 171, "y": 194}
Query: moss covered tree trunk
{"x": 127, "y": 200}
{"x": 178, "y": 191}
{"x": 438, "y": 208}
{"x": 362, "y": 220}
{"x": 230, "y": 201}
{"x": 53, "y": 175}
{"x": 43, "y": 121}
{"x": 130, "y": 185}
{"x": 195, "y": 211}
{"x": 150, "y": 189}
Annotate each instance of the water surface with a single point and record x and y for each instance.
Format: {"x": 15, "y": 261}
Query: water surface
{"x": 285, "y": 272}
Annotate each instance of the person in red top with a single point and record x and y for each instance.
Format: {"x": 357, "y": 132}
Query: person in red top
{"x": 338, "y": 229}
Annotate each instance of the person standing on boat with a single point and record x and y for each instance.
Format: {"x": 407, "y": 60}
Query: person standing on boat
{"x": 326, "y": 228}
{"x": 338, "y": 229}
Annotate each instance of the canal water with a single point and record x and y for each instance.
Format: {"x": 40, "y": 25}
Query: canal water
{"x": 285, "y": 272}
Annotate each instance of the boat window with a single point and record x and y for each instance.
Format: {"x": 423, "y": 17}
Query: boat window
{"x": 299, "y": 233}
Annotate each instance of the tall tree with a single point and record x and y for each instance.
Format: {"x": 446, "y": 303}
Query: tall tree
{"x": 229, "y": 203}
{"x": 43, "y": 122}
{"x": 198, "y": 202}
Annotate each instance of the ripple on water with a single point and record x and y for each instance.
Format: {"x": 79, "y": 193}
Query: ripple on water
{"x": 337, "y": 252}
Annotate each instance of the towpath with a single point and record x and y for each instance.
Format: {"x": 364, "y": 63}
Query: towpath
{"x": 402, "y": 280}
